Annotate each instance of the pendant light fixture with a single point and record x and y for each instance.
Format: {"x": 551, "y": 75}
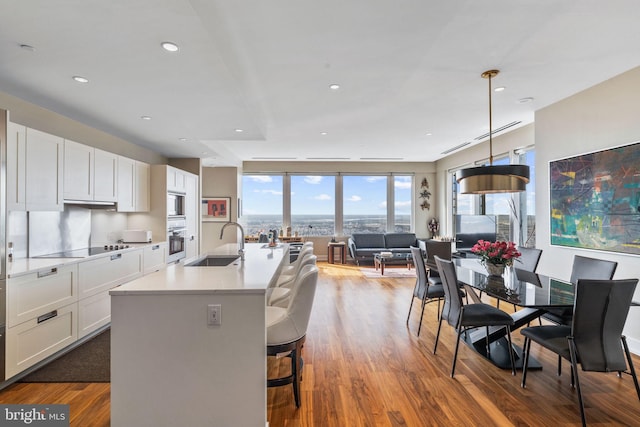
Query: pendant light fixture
{"x": 492, "y": 179}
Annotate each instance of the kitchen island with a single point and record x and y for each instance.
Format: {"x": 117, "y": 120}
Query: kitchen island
{"x": 170, "y": 366}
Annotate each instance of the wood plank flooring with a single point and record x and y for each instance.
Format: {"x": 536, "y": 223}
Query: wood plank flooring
{"x": 364, "y": 367}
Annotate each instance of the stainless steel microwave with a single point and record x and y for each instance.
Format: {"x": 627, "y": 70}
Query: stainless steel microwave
{"x": 175, "y": 204}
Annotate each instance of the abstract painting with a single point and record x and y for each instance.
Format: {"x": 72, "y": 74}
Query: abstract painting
{"x": 595, "y": 200}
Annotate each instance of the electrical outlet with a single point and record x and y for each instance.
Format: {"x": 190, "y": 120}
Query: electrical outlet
{"x": 214, "y": 314}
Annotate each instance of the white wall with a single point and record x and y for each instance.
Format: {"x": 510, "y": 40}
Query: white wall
{"x": 603, "y": 116}
{"x": 219, "y": 182}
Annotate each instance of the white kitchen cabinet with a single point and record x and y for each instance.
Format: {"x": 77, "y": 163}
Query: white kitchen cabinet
{"x": 105, "y": 183}
{"x": 16, "y": 165}
{"x": 34, "y": 170}
{"x": 34, "y": 340}
{"x": 89, "y": 173}
{"x": 104, "y": 273}
{"x": 155, "y": 257}
{"x": 34, "y": 294}
{"x": 192, "y": 215}
{"x": 94, "y": 312}
{"x": 133, "y": 185}
{"x": 176, "y": 179}
{"x": 78, "y": 171}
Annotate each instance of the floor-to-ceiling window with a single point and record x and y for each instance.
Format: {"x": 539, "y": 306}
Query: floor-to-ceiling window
{"x": 327, "y": 204}
{"x": 313, "y": 205}
{"x": 402, "y": 206}
{"x": 514, "y": 212}
{"x": 262, "y": 207}
{"x": 364, "y": 201}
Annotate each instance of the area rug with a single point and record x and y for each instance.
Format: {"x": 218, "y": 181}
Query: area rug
{"x": 88, "y": 363}
{"x": 389, "y": 271}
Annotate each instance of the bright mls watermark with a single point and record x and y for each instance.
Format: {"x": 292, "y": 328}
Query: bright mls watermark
{"x": 34, "y": 415}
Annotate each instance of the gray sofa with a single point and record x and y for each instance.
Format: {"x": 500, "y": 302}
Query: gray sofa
{"x": 362, "y": 246}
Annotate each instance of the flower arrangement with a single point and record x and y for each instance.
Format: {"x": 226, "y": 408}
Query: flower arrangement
{"x": 433, "y": 227}
{"x": 497, "y": 253}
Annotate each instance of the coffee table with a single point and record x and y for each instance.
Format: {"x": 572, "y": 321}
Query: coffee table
{"x": 379, "y": 260}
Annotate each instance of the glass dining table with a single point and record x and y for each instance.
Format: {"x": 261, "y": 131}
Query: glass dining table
{"x": 532, "y": 293}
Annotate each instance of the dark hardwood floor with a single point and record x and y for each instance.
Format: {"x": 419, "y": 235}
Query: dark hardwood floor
{"x": 364, "y": 367}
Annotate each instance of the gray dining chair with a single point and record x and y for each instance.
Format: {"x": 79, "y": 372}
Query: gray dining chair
{"x": 594, "y": 340}
{"x": 423, "y": 290}
{"x": 463, "y": 317}
{"x": 583, "y": 268}
{"x": 529, "y": 259}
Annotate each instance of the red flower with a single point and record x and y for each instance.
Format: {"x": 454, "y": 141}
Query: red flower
{"x": 499, "y": 252}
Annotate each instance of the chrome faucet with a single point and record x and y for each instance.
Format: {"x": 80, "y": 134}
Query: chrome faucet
{"x": 241, "y": 245}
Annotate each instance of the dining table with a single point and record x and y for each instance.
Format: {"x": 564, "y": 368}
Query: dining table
{"x": 529, "y": 293}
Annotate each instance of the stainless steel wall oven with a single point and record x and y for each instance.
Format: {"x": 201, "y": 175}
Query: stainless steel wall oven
{"x": 176, "y": 238}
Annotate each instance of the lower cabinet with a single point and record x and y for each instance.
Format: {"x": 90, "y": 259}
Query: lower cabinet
{"x": 34, "y": 340}
{"x": 155, "y": 257}
{"x": 104, "y": 273}
{"x": 93, "y": 313}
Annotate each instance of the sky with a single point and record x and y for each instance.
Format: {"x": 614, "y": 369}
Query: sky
{"x": 363, "y": 195}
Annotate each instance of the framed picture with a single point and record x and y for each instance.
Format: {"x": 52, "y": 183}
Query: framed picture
{"x": 595, "y": 200}
{"x": 216, "y": 209}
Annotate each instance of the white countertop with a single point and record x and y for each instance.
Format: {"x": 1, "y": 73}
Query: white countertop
{"x": 253, "y": 275}
{"x": 21, "y": 266}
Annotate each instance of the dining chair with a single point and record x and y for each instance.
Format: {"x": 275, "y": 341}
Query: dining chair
{"x": 594, "y": 340}
{"x": 423, "y": 290}
{"x": 463, "y": 317}
{"x": 583, "y": 268}
{"x": 529, "y": 259}
{"x": 287, "y": 328}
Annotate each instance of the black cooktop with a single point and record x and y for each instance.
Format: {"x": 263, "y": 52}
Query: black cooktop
{"x": 83, "y": 253}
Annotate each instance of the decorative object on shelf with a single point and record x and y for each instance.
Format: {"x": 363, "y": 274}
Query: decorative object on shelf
{"x": 433, "y": 226}
{"x": 216, "y": 209}
{"x": 495, "y": 256}
{"x": 492, "y": 179}
{"x": 425, "y": 194}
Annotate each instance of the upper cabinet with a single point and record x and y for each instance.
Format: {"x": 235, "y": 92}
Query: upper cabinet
{"x": 133, "y": 185}
{"x": 16, "y": 165}
{"x": 176, "y": 180}
{"x": 34, "y": 170}
{"x": 89, "y": 173}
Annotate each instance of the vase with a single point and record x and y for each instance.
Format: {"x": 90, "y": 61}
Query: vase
{"x": 494, "y": 269}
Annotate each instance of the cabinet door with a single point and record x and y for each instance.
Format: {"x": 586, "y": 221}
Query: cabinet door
{"x": 141, "y": 193}
{"x": 78, "y": 171}
{"x": 34, "y": 340}
{"x": 105, "y": 184}
{"x": 191, "y": 214}
{"x": 104, "y": 273}
{"x": 44, "y": 163}
{"x": 126, "y": 183}
{"x": 155, "y": 257}
{"x": 16, "y": 165}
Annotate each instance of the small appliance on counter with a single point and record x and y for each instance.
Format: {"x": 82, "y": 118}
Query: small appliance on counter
{"x": 136, "y": 236}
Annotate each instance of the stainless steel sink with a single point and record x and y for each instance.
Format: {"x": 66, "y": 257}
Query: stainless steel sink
{"x": 214, "y": 261}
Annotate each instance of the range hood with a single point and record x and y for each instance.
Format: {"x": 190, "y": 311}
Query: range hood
{"x": 91, "y": 204}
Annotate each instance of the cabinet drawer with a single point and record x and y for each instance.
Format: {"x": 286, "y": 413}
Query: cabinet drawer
{"x": 34, "y": 340}
{"x": 34, "y": 294}
{"x": 107, "y": 272}
{"x": 93, "y": 313}
{"x": 155, "y": 258}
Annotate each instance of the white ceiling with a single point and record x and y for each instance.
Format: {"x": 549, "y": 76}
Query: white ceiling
{"x": 406, "y": 68}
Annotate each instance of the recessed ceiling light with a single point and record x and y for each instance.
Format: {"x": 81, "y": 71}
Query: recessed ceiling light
{"x": 145, "y": 117}
{"x": 28, "y": 47}
{"x": 323, "y": 133}
{"x": 428, "y": 133}
{"x": 499, "y": 89}
{"x": 334, "y": 86}
{"x": 169, "y": 46}
{"x": 525, "y": 100}
{"x": 239, "y": 130}
{"x": 81, "y": 79}
{"x": 182, "y": 139}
